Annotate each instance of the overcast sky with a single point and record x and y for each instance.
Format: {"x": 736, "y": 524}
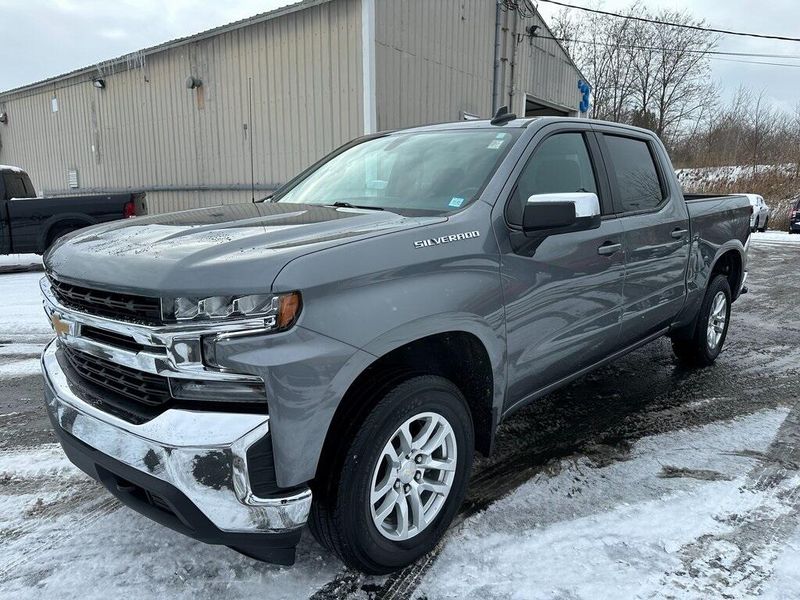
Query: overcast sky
{"x": 42, "y": 38}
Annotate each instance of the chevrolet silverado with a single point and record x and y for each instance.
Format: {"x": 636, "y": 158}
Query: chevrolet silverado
{"x": 335, "y": 354}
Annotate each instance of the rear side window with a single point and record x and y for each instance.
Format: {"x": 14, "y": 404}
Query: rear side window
{"x": 638, "y": 185}
{"x": 560, "y": 164}
{"x": 15, "y": 186}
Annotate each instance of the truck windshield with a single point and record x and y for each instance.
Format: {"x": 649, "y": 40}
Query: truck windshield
{"x": 436, "y": 171}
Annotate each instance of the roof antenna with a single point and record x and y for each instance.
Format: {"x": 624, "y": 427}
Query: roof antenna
{"x": 502, "y": 116}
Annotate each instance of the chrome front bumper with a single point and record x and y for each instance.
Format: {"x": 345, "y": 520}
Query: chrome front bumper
{"x": 201, "y": 454}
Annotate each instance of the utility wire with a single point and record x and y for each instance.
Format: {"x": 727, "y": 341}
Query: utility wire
{"x": 685, "y": 50}
{"x": 754, "y": 62}
{"x": 681, "y": 25}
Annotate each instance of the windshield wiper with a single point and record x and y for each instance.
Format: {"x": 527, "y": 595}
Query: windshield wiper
{"x": 348, "y": 205}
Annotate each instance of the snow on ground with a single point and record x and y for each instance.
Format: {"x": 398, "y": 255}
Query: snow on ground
{"x": 24, "y": 329}
{"x": 120, "y": 552}
{"x": 22, "y": 307}
{"x": 785, "y": 582}
{"x": 20, "y": 261}
{"x": 627, "y": 527}
{"x": 775, "y": 238}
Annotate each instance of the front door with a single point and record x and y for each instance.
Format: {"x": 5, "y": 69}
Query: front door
{"x": 563, "y": 297}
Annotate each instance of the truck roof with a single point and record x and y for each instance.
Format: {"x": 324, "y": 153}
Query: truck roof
{"x": 520, "y": 122}
{"x": 10, "y": 168}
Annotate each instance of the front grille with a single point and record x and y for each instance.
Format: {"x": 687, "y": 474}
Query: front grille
{"x": 111, "y": 338}
{"x": 127, "y": 307}
{"x": 145, "y": 388}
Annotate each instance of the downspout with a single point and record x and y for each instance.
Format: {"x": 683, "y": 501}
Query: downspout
{"x": 368, "y": 98}
{"x": 496, "y": 73}
{"x": 513, "y": 61}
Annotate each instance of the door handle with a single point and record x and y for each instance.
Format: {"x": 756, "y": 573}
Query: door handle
{"x": 679, "y": 233}
{"x": 608, "y": 248}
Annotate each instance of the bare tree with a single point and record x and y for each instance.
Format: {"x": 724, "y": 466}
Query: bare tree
{"x": 682, "y": 82}
{"x": 600, "y": 46}
{"x": 646, "y": 73}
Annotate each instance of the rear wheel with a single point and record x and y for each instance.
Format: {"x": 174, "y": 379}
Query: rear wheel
{"x": 402, "y": 479}
{"x": 711, "y": 329}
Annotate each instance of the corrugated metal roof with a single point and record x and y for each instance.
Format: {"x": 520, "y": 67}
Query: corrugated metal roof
{"x": 125, "y": 62}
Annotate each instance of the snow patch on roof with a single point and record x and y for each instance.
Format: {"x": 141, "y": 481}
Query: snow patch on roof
{"x": 10, "y": 168}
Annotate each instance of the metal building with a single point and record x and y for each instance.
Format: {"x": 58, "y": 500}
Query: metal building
{"x": 212, "y": 117}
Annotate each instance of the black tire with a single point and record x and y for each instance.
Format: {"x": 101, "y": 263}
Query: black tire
{"x": 696, "y": 351}
{"x": 764, "y": 228}
{"x": 341, "y": 517}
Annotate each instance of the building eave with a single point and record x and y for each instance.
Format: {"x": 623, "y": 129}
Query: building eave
{"x": 124, "y": 62}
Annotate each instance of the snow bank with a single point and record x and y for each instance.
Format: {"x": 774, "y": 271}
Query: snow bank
{"x": 704, "y": 177}
{"x": 776, "y": 238}
{"x": 21, "y": 261}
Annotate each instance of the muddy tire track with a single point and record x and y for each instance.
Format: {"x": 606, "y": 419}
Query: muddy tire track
{"x": 738, "y": 562}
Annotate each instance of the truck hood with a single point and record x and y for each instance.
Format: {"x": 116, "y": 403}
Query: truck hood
{"x": 229, "y": 249}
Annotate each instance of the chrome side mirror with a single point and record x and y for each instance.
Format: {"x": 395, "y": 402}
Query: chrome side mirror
{"x": 574, "y": 211}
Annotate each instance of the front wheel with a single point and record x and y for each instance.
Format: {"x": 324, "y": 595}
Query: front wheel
{"x": 702, "y": 349}
{"x": 764, "y": 228}
{"x": 402, "y": 479}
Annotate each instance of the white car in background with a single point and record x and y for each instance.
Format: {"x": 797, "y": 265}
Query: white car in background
{"x": 760, "y": 216}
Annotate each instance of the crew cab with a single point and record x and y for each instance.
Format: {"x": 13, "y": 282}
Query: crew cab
{"x": 30, "y": 225}
{"x": 335, "y": 354}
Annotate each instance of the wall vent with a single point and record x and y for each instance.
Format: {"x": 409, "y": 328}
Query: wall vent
{"x": 72, "y": 178}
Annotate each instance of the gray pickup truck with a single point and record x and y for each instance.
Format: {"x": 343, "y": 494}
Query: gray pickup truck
{"x": 335, "y": 354}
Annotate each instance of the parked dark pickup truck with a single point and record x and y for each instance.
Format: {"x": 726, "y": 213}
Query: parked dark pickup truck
{"x": 335, "y": 354}
{"x": 30, "y": 225}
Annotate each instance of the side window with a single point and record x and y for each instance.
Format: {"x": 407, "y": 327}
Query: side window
{"x": 639, "y": 187}
{"x": 560, "y": 164}
{"x": 29, "y": 191}
{"x": 15, "y": 186}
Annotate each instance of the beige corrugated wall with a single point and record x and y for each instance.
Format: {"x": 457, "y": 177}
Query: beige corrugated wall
{"x": 435, "y": 61}
{"x": 147, "y": 130}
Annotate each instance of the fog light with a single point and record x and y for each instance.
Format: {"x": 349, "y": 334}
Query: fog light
{"x": 217, "y": 391}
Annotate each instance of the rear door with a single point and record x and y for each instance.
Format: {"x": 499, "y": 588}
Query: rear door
{"x": 656, "y": 235}
{"x": 562, "y": 294}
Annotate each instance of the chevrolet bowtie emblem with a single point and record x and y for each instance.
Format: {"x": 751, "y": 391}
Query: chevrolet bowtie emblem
{"x": 60, "y": 327}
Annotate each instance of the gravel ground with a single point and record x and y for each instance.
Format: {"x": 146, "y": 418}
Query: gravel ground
{"x": 641, "y": 479}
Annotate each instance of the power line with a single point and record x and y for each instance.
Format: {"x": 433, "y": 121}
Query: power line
{"x": 685, "y": 50}
{"x": 681, "y": 25}
{"x": 754, "y": 62}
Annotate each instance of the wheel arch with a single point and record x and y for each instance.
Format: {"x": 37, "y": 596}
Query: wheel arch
{"x": 456, "y": 354}
{"x": 78, "y": 220}
{"x": 730, "y": 263}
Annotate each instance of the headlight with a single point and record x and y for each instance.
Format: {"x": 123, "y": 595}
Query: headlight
{"x": 279, "y": 311}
